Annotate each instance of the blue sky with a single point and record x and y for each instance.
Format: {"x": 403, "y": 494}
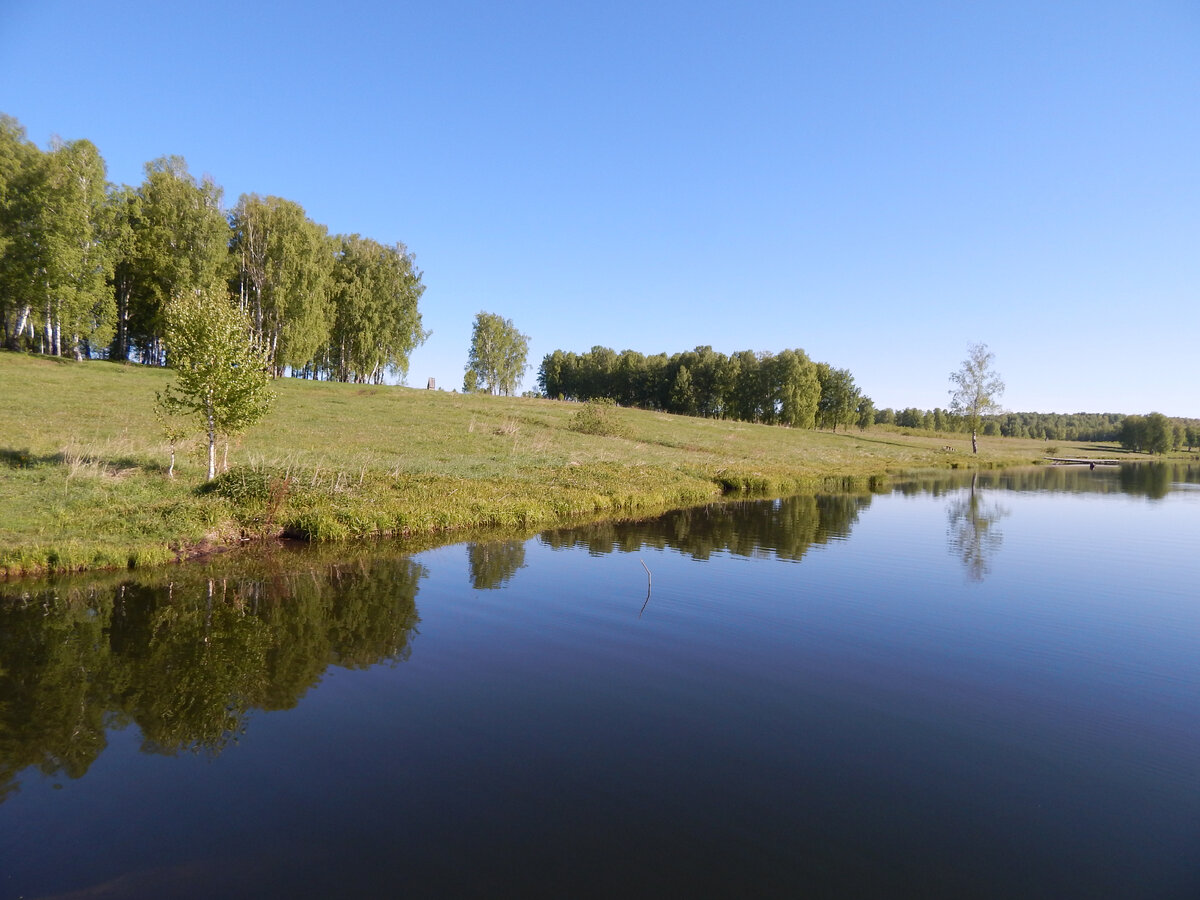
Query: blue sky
{"x": 877, "y": 183}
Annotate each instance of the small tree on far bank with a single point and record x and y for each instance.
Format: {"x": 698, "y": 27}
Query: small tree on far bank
{"x": 1151, "y": 434}
{"x": 866, "y": 413}
{"x": 496, "y": 361}
{"x": 222, "y": 376}
{"x": 977, "y": 389}
{"x": 838, "y": 403}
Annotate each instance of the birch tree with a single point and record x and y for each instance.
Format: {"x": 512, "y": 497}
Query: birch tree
{"x": 376, "y": 321}
{"x": 127, "y": 280}
{"x": 795, "y": 388}
{"x": 180, "y": 245}
{"x": 285, "y": 266}
{"x": 976, "y": 389}
{"x": 54, "y": 260}
{"x": 222, "y": 382}
{"x": 20, "y": 163}
{"x": 496, "y": 361}
{"x": 74, "y": 258}
{"x": 838, "y": 404}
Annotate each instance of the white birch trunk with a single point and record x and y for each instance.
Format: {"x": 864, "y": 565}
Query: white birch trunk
{"x": 212, "y": 447}
{"x": 22, "y": 321}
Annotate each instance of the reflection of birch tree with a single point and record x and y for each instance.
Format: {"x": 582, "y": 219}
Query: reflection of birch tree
{"x": 493, "y": 564}
{"x": 971, "y": 532}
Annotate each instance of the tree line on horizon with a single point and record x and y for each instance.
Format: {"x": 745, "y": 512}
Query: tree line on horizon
{"x": 785, "y": 388}
{"x": 790, "y": 389}
{"x": 1153, "y": 433}
{"x": 88, "y": 268}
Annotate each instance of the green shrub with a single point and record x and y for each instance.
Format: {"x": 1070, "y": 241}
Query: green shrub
{"x": 598, "y": 417}
{"x": 241, "y": 484}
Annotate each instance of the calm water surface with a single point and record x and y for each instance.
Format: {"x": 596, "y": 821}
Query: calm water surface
{"x": 961, "y": 688}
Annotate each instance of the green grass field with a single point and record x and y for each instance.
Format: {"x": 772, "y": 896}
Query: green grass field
{"x": 83, "y": 465}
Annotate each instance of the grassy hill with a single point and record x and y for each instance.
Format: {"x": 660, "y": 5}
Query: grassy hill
{"x": 83, "y": 465}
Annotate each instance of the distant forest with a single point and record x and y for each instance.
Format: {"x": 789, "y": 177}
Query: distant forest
{"x": 790, "y": 389}
{"x": 786, "y": 388}
{"x": 86, "y": 267}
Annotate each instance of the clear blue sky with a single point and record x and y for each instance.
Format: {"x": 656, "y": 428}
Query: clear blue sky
{"x": 878, "y": 183}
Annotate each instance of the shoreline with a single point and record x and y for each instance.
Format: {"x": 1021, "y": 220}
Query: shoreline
{"x": 488, "y": 522}
{"x": 84, "y": 462}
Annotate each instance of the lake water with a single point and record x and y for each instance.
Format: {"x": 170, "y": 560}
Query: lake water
{"x": 963, "y": 687}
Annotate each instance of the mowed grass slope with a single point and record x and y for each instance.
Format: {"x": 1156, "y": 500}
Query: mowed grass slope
{"x": 83, "y": 465}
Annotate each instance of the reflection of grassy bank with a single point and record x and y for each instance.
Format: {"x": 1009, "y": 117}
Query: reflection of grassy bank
{"x": 83, "y": 483}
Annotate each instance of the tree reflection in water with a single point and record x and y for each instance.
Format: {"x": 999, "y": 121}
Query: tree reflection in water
{"x": 972, "y": 534}
{"x": 785, "y": 529}
{"x": 1152, "y": 480}
{"x": 186, "y": 658}
{"x": 187, "y": 655}
{"x": 493, "y": 564}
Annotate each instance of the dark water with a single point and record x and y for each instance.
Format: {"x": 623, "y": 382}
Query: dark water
{"x": 985, "y": 688}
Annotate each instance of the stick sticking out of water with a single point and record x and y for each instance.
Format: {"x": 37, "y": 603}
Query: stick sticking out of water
{"x": 649, "y": 582}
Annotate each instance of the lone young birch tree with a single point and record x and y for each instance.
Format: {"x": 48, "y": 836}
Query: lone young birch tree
{"x": 222, "y": 376}
{"x": 976, "y": 390}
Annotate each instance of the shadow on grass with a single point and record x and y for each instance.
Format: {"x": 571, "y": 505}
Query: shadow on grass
{"x": 25, "y": 459}
{"x": 907, "y": 445}
{"x": 13, "y": 458}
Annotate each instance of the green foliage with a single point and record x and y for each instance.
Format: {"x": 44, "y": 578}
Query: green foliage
{"x": 21, "y": 168}
{"x": 795, "y": 388}
{"x": 839, "y": 397}
{"x": 865, "y": 413}
{"x": 241, "y": 485}
{"x": 285, "y": 265}
{"x": 1151, "y": 434}
{"x": 1158, "y": 433}
{"x": 75, "y": 260}
{"x": 177, "y": 243}
{"x": 683, "y": 395}
{"x": 1039, "y": 426}
{"x": 598, "y": 417}
{"x": 376, "y": 324}
{"x": 496, "y": 360}
{"x": 221, "y": 371}
{"x": 752, "y": 387}
{"x": 976, "y": 388}
{"x": 88, "y": 268}
{"x": 53, "y": 258}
